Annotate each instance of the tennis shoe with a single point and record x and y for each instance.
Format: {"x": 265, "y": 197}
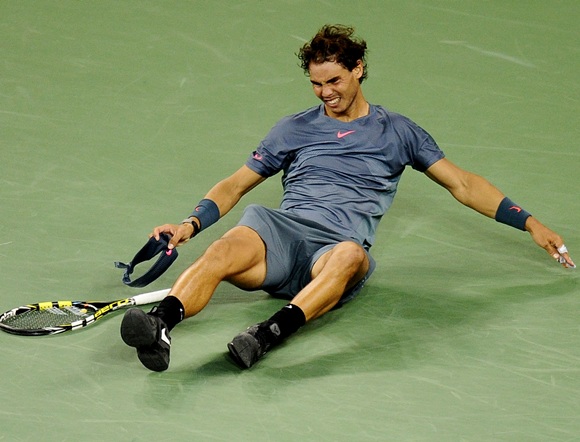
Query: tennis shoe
{"x": 149, "y": 335}
{"x": 249, "y": 346}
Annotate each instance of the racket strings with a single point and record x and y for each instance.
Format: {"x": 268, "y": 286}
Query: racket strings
{"x": 51, "y": 317}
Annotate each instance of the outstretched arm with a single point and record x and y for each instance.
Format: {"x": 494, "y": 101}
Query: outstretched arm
{"x": 229, "y": 191}
{"x": 479, "y": 194}
{"x": 225, "y": 195}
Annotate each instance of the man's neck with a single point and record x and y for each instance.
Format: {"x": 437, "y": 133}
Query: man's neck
{"x": 358, "y": 110}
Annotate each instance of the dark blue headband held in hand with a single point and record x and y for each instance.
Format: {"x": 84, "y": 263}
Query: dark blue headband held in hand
{"x": 149, "y": 250}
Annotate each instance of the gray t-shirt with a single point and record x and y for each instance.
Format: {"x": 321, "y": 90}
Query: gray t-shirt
{"x": 343, "y": 175}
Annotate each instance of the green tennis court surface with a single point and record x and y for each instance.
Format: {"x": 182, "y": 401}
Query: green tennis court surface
{"x": 118, "y": 116}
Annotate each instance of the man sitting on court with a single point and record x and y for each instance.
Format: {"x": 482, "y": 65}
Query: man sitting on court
{"x": 341, "y": 161}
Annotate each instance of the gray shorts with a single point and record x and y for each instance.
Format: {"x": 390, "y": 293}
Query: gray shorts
{"x": 293, "y": 245}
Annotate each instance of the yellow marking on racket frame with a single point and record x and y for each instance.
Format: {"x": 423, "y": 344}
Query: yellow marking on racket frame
{"x": 44, "y": 305}
{"x": 62, "y": 304}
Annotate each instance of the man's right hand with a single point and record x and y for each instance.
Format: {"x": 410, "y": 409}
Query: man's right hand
{"x": 180, "y": 233}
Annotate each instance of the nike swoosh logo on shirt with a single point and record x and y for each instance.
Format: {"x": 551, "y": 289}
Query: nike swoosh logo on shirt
{"x": 341, "y": 134}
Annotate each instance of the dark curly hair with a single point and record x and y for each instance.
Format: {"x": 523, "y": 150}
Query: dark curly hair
{"x": 334, "y": 43}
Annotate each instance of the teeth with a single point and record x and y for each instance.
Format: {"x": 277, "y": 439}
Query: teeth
{"x": 333, "y": 101}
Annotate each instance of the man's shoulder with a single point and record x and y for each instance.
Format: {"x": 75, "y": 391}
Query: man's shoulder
{"x": 296, "y": 123}
{"x": 392, "y": 116}
{"x": 398, "y": 122}
{"x": 307, "y": 115}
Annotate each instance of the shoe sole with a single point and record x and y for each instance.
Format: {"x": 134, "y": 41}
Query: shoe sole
{"x": 242, "y": 350}
{"x": 136, "y": 329}
{"x": 150, "y": 359}
{"x": 136, "y": 332}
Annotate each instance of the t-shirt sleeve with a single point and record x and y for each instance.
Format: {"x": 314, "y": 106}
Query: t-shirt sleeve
{"x": 422, "y": 150}
{"x": 271, "y": 155}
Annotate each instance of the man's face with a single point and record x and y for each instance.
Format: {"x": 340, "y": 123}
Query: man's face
{"x": 338, "y": 88}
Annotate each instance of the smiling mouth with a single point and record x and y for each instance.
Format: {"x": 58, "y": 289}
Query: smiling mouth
{"x": 332, "y": 102}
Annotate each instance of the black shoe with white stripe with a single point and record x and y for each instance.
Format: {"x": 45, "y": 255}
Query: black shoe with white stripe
{"x": 149, "y": 335}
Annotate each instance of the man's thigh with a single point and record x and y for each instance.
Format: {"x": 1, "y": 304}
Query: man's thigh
{"x": 245, "y": 254}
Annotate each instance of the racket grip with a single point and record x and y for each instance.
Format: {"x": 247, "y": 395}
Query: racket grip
{"x": 151, "y": 297}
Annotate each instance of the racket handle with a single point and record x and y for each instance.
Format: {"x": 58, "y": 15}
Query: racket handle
{"x": 151, "y": 297}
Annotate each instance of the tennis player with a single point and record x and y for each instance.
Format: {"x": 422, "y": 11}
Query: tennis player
{"x": 341, "y": 162}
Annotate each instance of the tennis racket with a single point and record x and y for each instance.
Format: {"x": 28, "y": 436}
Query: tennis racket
{"x": 52, "y": 317}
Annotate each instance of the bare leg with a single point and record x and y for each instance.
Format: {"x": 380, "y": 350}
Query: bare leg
{"x": 238, "y": 257}
{"x": 335, "y": 272}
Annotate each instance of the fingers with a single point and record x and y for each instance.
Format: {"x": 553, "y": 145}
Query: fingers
{"x": 179, "y": 233}
{"x": 565, "y": 260}
{"x": 563, "y": 257}
{"x": 165, "y": 228}
{"x": 553, "y": 244}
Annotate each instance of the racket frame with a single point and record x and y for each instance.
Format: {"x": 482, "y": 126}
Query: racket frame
{"x": 100, "y": 309}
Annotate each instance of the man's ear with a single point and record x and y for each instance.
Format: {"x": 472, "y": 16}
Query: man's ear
{"x": 359, "y": 69}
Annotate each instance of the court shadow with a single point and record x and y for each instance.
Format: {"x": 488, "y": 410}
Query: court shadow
{"x": 396, "y": 331}
{"x": 383, "y": 331}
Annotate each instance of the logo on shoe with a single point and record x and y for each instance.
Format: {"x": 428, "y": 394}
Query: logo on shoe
{"x": 164, "y": 336}
{"x": 275, "y": 329}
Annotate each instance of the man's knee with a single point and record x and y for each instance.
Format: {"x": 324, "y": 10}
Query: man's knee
{"x": 219, "y": 251}
{"x": 239, "y": 256}
{"x": 350, "y": 253}
{"x": 346, "y": 258}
